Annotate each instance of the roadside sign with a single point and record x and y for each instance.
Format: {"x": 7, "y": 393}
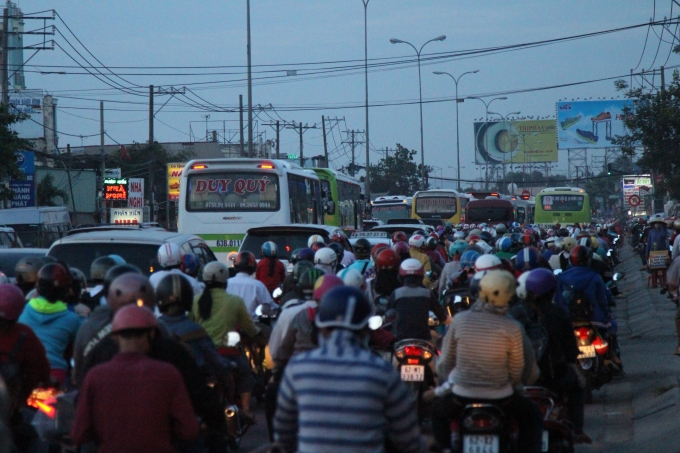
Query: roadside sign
{"x": 135, "y": 192}
{"x": 634, "y": 200}
{"x": 116, "y": 189}
{"x": 126, "y": 216}
{"x": 174, "y": 175}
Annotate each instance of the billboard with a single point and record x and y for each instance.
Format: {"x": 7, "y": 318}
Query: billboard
{"x": 116, "y": 189}
{"x": 634, "y": 189}
{"x": 126, "y": 216}
{"x": 24, "y": 190}
{"x": 174, "y": 175}
{"x": 136, "y": 193}
{"x": 29, "y": 102}
{"x": 503, "y": 142}
{"x": 590, "y": 124}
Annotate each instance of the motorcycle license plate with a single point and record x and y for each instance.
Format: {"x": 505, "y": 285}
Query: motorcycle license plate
{"x": 545, "y": 441}
{"x": 587, "y": 352}
{"x": 480, "y": 443}
{"x": 413, "y": 373}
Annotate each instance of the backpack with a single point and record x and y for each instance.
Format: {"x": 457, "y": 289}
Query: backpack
{"x": 10, "y": 372}
{"x": 578, "y": 304}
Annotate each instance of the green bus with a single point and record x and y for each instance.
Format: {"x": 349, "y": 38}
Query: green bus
{"x": 564, "y": 205}
{"x": 343, "y": 203}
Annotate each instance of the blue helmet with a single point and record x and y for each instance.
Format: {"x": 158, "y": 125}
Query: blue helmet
{"x": 457, "y": 247}
{"x": 269, "y": 249}
{"x": 189, "y": 263}
{"x": 467, "y": 259}
{"x": 504, "y": 244}
{"x": 303, "y": 254}
{"x": 343, "y": 307}
{"x": 527, "y": 259}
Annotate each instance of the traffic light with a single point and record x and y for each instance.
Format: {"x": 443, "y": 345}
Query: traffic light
{"x": 609, "y": 169}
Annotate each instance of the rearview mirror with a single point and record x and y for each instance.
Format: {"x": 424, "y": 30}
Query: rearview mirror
{"x": 375, "y": 322}
{"x": 618, "y": 276}
{"x": 233, "y": 339}
{"x": 278, "y": 292}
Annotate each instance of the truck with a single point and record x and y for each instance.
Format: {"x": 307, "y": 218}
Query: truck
{"x": 37, "y": 226}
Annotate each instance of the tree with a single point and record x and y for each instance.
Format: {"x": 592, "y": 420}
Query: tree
{"x": 10, "y": 145}
{"x": 398, "y": 174}
{"x": 653, "y": 124}
{"x": 47, "y": 192}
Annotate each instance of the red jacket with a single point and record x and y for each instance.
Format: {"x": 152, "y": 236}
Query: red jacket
{"x": 35, "y": 369}
{"x": 134, "y": 404}
{"x": 262, "y": 274}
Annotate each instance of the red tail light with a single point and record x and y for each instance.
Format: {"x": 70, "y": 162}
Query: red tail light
{"x": 413, "y": 351}
{"x": 601, "y": 346}
{"x": 481, "y": 421}
{"x": 412, "y": 361}
{"x": 582, "y": 333}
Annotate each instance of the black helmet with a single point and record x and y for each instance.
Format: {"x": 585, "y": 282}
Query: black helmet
{"x": 100, "y": 267}
{"x": 78, "y": 284}
{"x": 117, "y": 271}
{"x": 26, "y": 272}
{"x": 300, "y": 268}
{"x": 174, "y": 289}
{"x": 343, "y": 307}
{"x": 54, "y": 281}
{"x": 362, "y": 248}
{"x": 581, "y": 256}
{"x": 303, "y": 254}
{"x": 338, "y": 249}
{"x": 306, "y": 282}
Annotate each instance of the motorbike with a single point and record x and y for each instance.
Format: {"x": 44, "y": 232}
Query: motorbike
{"x": 456, "y": 300}
{"x": 52, "y": 415}
{"x": 611, "y": 284}
{"x": 413, "y": 358}
{"x": 483, "y": 427}
{"x": 594, "y": 348}
{"x": 558, "y": 431}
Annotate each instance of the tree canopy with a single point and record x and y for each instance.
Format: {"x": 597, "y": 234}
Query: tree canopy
{"x": 10, "y": 145}
{"x": 47, "y": 192}
{"x": 398, "y": 173}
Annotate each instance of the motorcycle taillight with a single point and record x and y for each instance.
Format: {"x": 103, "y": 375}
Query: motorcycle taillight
{"x": 413, "y": 351}
{"x": 601, "y": 346}
{"x": 481, "y": 421}
{"x": 582, "y": 333}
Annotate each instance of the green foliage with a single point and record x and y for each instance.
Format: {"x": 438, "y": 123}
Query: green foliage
{"x": 398, "y": 174}
{"x": 654, "y": 127}
{"x": 10, "y": 145}
{"x": 47, "y": 192}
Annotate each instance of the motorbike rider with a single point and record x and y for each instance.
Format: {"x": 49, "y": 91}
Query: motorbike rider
{"x": 96, "y": 296}
{"x": 23, "y": 361}
{"x": 50, "y": 319}
{"x": 26, "y": 273}
{"x": 291, "y": 289}
{"x": 557, "y": 351}
{"x": 431, "y": 251}
{"x": 561, "y": 260}
{"x": 386, "y": 281}
{"x": 323, "y": 403}
{"x": 346, "y": 257}
{"x": 362, "y": 252}
{"x": 252, "y": 291}
{"x": 326, "y": 260}
{"x": 481, "y": 372}
{"x": 297, "y": 256}
{"x": 169, "y": 258}
{"x": 270, "y": 270}
{"x": 412, "y": 304}
{"x": 416, "y": 244}
{"x": 452, "y": 268}
{"x": 120, "y": 408}
{"x": 676, "y": 242}
{"x": 337, "y": 248}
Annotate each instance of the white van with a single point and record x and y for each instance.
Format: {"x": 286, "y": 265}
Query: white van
{"x": 39, "y": 226}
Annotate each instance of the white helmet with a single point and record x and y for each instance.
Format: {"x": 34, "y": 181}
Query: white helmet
{"x": 522, "y": 285}
{"x": 169, "y": 255}
{"x": 352, "y": 277}
{"x": 326, "y": 255}
{"x": 314, "y": 238}
{"x": 487, "y": 263}
{"x": 411, "y": 266}
{"x": 416, "y": 241}
{"x": 497, "y": 288}
{"x": 215, "y": 271}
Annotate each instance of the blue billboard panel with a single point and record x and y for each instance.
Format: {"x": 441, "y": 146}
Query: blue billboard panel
{"x": 24, "y": 192}
{"x": 590, "y": 124}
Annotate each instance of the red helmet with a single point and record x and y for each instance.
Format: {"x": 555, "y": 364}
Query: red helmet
{"x": 402, "y": 249}
{"x": 132, "y": 317}
{"x": 376, "y": 249}
{"x": 337, "y": 237}
{"x": 54, "y": 281}
{"x": 581, "y": 255}
{"x": 527, "y": 240}
{"x": 399, "y": 236}
{"x": 388, "y": 258}
{"x": 11, "y": 302}
{"x": 245, "y": 261}
{"x": 324, "y": 284}
{"x": 473, "y": 239}
{"x": 411, "y": 266}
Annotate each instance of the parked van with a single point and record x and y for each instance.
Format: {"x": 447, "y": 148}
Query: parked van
{"x": 38, "y": 226}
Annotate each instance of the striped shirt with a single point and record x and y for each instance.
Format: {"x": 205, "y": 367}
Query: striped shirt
{"x": 340, "y": 397}
{"x": 483, "y": 352}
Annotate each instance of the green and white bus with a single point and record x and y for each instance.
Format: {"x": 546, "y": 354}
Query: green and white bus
{"x": 344, "y": 206}
{"x": 220, "y": 199}
{"x": 564, "y": 205}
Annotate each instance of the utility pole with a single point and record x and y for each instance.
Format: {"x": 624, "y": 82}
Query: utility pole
{"x": 151, "y": 162}
{"x": 277, "y": 139}
{"x": 5, "y": 57}
{"x": 325, "y": 143}
{"x": 102, "y": 204}
{"x": 663, "y": 78}
{"x": 301, "y": 130}
{"x": 353, "y": 142}
{"x": 250, "y": 88}
{"x": 240, "y": 109}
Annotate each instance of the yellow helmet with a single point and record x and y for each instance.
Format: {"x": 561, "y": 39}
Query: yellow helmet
{"x": 497, "y": 288}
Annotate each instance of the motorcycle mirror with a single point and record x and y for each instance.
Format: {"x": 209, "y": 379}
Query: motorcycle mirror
{"x": 258, "y": 310}
{"x": 233, "y": 339}
{"x": 391, "y": 315}
{"x": 557, "y": 271}
{"x": 609, "y": 252}
{"x": 375, "y": 322}
{"x": 457, "y": 300}
{"x": 428, "y": 274}
{"x": 278, "y": 292}
{"x": 618, "y": 276}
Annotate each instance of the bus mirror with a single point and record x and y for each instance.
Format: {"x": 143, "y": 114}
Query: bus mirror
{"x": 330, "y": 207}
{"x": 323, "y": 194}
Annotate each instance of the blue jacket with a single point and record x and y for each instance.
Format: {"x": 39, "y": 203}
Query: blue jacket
{"x": 589, "y": 282}
{"x": 54, "y": 325}
{"x": 658, "y": 237}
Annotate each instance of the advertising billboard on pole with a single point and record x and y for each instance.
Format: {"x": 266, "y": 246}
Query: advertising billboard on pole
{"x": 503, "y": 142}
{"x": 590, "y": 124}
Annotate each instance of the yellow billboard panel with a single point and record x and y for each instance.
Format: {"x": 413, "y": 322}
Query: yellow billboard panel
{"x": 174, "y": 176}
{"x": 499, "y": 142}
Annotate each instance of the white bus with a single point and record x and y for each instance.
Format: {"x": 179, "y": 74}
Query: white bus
{"x": 391, "y": 207}
{"x": 220, "y": 199}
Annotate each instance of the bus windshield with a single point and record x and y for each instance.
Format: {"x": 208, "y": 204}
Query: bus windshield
{"x": 233, "y": 191}
{"x": 562, "y": 202}
{"x": 442, "y": 207}
{"x": 391, "y": 211}
{"x": 488, "y": 214}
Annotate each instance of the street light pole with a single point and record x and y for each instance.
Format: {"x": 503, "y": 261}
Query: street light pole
{"x": 420, "y": 90}
{"x": 505, "y": 120}
{"x": 250, "y": 87}
{"x": 486, "y": 135}
{"x": 457, "y": 134}
{"x": 367, "y": 183}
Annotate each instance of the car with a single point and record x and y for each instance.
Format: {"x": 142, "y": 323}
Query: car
{"x": 10, "y": 257}
{"x": 368, "y": 224}
{"x": 406, "y": 228}
{"x": 374, "y": 237}
{"x": 137, "y": 246}
{"x": 286, "y": 237}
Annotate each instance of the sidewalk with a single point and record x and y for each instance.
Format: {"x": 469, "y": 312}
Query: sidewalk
{"x": 641, "y": 411}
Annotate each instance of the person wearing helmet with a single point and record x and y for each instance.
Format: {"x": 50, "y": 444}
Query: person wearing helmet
{"x": 403, "y": 250}
{"x": 315, "y": 239}
{"x": 169, "y": 258}
{"x": 452, "y": 268}
{"x": 362, "y": 252}
{"x": 472, "y": 371}
{"x": 290, "y": 287}
{"x": 431, "y": 250}
{"x": 252, "y": 291}
{"x": 162, "y": 413}
{"x": 416, "y": 244}
{"x": 270, "y": 270}
{"x": 76, "y": 293}
{"x": 399, "y": 236}
{"x": 386, "y": 281}
{"x": 555, "y": 350}
{"x": 20, "y": 349}
{"x": 345, "y": 254}
{"x": 49, "y": 317}
{"x": 337, "y": 248}
{"x": 503, "y": 247}
{"x": 412, "y": 303}
{"x": 352, "y": 277}
{"x": 98, "y": 269}
{"x": 309, "y": 418}
{"x": 26, "y": 272}
{"x": 561, "y": 260}
{"x": 326, "y": 260}
{"x": 190, "y": 265}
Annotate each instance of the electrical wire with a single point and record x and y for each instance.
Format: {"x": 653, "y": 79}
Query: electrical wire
{"x": 60, "y": 132}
